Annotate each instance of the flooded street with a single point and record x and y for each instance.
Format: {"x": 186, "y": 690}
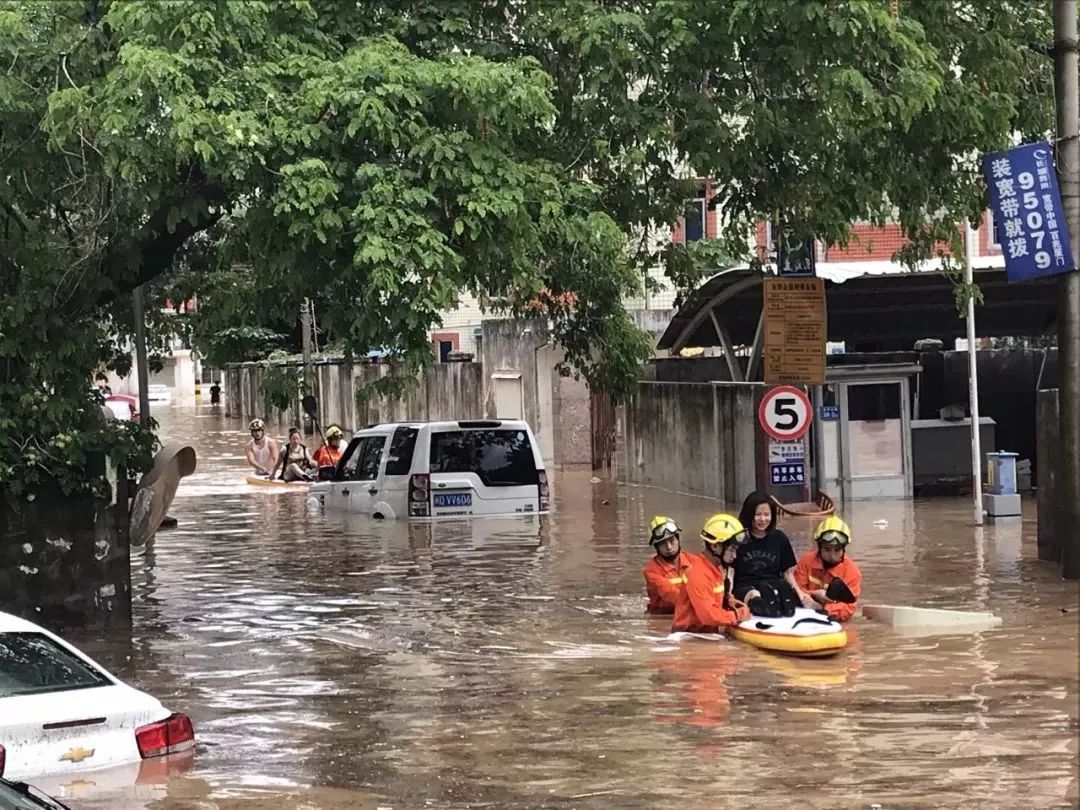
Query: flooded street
{"x": 331, "y": 661}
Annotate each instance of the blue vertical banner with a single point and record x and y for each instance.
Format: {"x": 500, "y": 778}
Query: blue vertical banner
{"x": 1026, "y": 204}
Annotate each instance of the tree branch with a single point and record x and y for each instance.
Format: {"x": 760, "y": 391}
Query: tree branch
{"x": 13, "y": 214}
{"x": 154, "y": 247}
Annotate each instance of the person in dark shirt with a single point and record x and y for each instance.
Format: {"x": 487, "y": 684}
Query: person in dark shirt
{"x": 765, "y": 566}
{"x": 215, "y": 393}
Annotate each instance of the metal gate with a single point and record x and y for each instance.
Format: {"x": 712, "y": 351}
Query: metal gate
{"x": 602, "y": 413}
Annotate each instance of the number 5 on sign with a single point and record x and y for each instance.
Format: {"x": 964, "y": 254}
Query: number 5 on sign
{"x": 784, "y": 413}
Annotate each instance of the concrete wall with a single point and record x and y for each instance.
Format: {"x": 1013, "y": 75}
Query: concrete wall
{"x": 443, "y": 391}
{"x": 685, "y": 369}
{"x": 523, "y": 347}
{"x": 516, "y": 352}
{"x": 573, "y": 420}
{"x": 65, "y": 561}
{"x": 694, "y": 438}
{"x": 1049, "y": 457}
{"x": 941, "y": 452}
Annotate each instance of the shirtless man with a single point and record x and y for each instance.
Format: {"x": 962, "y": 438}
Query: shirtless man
{"x": 262, "y": 451}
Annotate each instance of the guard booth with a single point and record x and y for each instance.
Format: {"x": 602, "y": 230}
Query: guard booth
{"x": 863, "y": 416}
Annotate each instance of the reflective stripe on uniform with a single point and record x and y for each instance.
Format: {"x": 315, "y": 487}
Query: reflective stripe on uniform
{"x": 680, "y": 580}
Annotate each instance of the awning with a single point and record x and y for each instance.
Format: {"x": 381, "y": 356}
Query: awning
{"x": 896, "y": 309}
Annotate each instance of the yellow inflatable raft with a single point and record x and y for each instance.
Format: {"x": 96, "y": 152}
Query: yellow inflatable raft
{"x": 277, "y": 483}
{"x": 807, "y": 634}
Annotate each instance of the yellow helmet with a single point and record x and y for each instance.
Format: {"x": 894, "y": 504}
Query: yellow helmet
{"x": 833, "y": 530}
{"x": 722, "y": 529}
{"x": 661, "y": 528}
{"x": 333, "y": 431}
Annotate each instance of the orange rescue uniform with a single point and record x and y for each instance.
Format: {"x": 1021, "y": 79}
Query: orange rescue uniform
{"x": 664, "y": 580}
{"x": 327, "y": 456}
{"x": 700, "y": 605}
{"x": 812, "y": 575}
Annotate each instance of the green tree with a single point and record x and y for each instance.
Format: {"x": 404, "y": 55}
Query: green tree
{"x": 282, "y": 137}
{"x": 831, "y": 111}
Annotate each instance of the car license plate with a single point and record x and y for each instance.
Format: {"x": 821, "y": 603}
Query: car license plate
{"x": 450, "y": 499}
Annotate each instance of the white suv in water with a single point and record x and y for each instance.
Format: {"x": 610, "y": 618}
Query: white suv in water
{"x": 424, "y": 470}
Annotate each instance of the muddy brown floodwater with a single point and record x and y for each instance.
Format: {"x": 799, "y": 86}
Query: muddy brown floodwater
{"x": 332, "y": 661}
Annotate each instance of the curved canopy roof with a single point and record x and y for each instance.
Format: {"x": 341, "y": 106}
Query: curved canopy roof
{"x": 896, "y": 309}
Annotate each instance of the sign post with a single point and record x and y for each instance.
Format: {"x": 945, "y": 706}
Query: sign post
{"x": 785, "y": 413}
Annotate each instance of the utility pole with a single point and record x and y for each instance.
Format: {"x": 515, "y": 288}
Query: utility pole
{"x": 1067, "y": 102}
{"x": 973, "y": 375}
{"x": 305, "y": 337}
{"x": 305, "y": 327}
{"x": 141, "y": 369}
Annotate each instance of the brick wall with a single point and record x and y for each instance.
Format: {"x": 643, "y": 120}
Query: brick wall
{"x": 869, "y": 243}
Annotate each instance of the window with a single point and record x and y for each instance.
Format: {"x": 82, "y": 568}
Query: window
{"x": 368, "y": 455}
{"x": 499, "y": 458}
{"x": 32, "y": 664}
{"x": 442, "y": 343}
{"x": 697, "y": 212}
{"x": 399, "y": 459}
{"x": 20, "y": 796}
{"x": 993, "y": 238}
{"x": 873, "y": 402}
{"x": 347, "y": 465}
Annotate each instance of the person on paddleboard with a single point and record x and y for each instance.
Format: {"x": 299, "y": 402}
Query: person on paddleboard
{"x": 765, "y": 565}
{"x": 665, "y": 573}
{"x": 261, "y": 451}
{"x": 832, "y": 579}
{"x": 706, "y": 604}
{"x": 296, "y": 461}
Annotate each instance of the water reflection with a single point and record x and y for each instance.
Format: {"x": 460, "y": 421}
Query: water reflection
{"x": 329, "y": 660}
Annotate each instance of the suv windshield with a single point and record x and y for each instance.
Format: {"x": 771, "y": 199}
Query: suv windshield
{"x": 31, "y": 663}
{"x": 499, "y": 458}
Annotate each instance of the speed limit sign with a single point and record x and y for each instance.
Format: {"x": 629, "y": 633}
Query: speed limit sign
{"x": 785, "y": 413}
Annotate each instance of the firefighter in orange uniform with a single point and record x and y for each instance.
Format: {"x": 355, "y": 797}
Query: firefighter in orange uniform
{"x": 706, "y": 605}
{"x": 665, "y": 573}
{"x": 831, "y": 578}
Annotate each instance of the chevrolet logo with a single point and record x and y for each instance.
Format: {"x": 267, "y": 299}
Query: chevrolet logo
{"x": 77, "y": 755}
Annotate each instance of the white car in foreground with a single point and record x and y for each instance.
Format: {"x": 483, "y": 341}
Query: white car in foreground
{"x": 63, "y": 714}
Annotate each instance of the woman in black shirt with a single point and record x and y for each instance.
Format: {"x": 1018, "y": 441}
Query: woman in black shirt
{"x": 765, "y": 566}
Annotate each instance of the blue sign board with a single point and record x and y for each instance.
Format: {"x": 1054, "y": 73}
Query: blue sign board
{"x": 792, "y": 471}
{"x": 800, "y": 261}
{"x": 1026, "y": 204}
{"x": 791, "y": 260}
{"x": 830, "y": 413}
